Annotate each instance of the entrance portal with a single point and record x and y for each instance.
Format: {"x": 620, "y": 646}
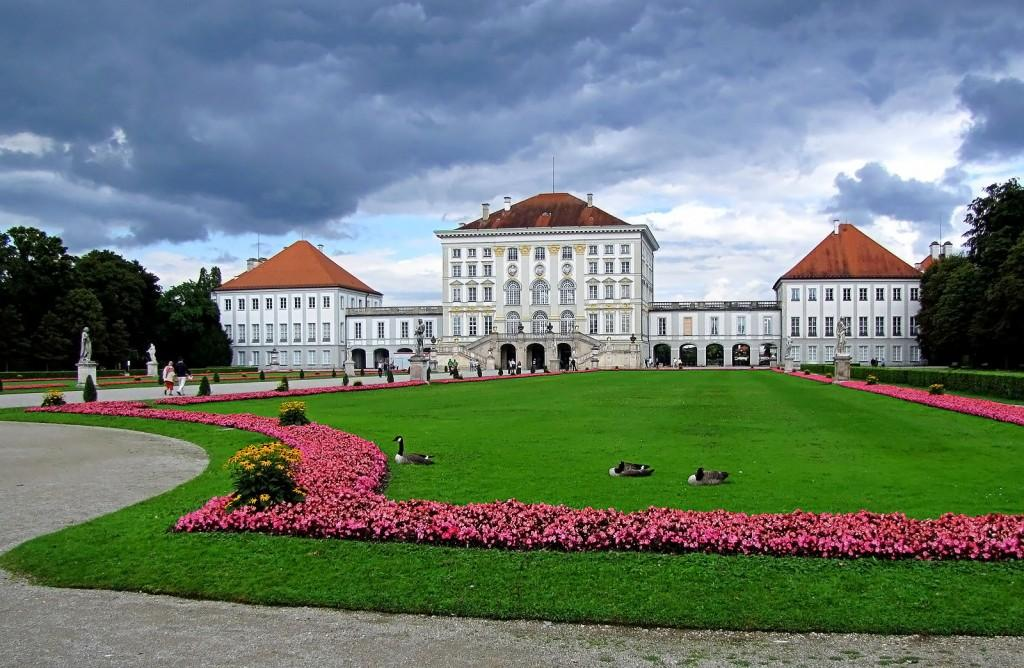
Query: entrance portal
{"x": 662, "y": 354}
{"x": 535, "y": 356}
{"x": 741, "y": 355}
{"x": 358, "y": 358}
{"x": 564, "y": 353}
{"x": 688, "y": 354}
{"x": 715, "y": 355}
{"x": 507, "y": 353}
{"x": 769, "y": 354}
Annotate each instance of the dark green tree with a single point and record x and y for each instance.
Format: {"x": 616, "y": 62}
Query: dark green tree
{"x": 52, "y": 344}
{"x": 950, "y": 295}
{"x": 89, "y": 391}
{"x": 190, "y": 326}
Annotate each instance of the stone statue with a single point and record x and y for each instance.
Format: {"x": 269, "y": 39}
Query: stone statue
{"x": 85, "y": 354}
{"x": 789, "y": 347}
{"x": 151, "y": 351}
{"x": 841, "y": 335}
{"x": 420, "y": 329}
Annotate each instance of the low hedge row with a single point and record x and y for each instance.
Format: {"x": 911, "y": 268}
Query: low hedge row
{"x": 1003, "y": 386}
{"x": 103, "y": 373}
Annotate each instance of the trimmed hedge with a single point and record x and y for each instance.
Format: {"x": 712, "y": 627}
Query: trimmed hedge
{"x": 999, "y": 385}
{"x": 106, "y": 373}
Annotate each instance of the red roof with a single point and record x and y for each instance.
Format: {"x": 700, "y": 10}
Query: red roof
{"x": 547, "y": 210}
{"x": 849, "y": 253}
{"x": 300, "y": 265}
{"x": 925, "y": 263}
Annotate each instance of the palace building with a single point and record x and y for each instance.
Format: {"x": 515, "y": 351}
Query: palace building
{"x": 555, "y": 278}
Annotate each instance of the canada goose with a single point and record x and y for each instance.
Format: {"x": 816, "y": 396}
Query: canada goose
{"x": 403, "y": 458}
{"x": 702, "y": 477}
{"x": 628, "y": 469}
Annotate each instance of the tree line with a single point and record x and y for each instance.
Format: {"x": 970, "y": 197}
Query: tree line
{"x": 972, "y": 305}
{"x": 47, "y": 296}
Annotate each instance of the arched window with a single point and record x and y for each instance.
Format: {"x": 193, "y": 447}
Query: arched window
{"x": 512, "y": 290}
{"x": 540, "y": 322}
{"x": 566, "y": 322}
{"x": 539, "y": 292}
{"x": 567, "y": 292}
{"x": 512, "y": 323}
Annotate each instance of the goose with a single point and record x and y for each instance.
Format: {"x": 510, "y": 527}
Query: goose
{"x": 628, "y": 469}
{"x": 403, "y": 458}
{"x": 702, "y": 477}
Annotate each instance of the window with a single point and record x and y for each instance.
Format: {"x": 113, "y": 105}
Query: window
{"x": 325, "y": 357}
{"x": 625, "y": 290}
{"x": 380, "y": 329}
{"x": 471, "y": 293}
{"x": 915, "y": 354}
{"x": 227, "y": 304}
{"x": 473, "y": 325}
{"x": 624, "y": 266}
{"x": 830, "y": 326}
{"x": 766, "y": 325}
{"x": 269, "y": 303}
{"x": 488, "y": 324}
{"x": 879, "y": 294}
{"x": 862, "y": 294}
{"x": 862, "y": 353}
{"x": 488, "y": 270}
{"x": 539, "y": 324}
{"x": 741, "y": 324}
{"x": 913, "y": 325}
{"x": 794, "y": 294}
{"x": 592, "y": 250}
{"x": 688, "y": 326}
{"x": 311, "y": 332}
{"x": 796, "y": 353}
{"x": 241, "y": 304}
{"x": 847, "y": 325}
{"x": 592, "y": 291}
{"x": 846, "y": 294}
{"x": 897, "y": 294}
{"x": 714, "y": 326}
{"x": 914, "y": 296}
{"x": 403, "y": 327}
{"x": 296, "y": 358}
{"x": 512, "y": 323}
{"x": 283, "y": 303}
{"x": 282, "y": 333}
{"x": 297, "y": 302}
{"x": 512, "y": 290}
{"x": 567, "y": 292}
{"x": 456, "y": 253}
{"x": 539, "y": 292}
{"x": 312, "y": 302}
{"x": 880, "y": 353}
{"x": 662, "y": 326}
{"x": 268, "y": 334}
{"x": 359, "y": 330}
{"x": 624, "y": 249}
{"x": 812, "y": 325}
{"x": 609, "y": 291}
{"x": 241, "y": 333}
{"x": 592, "y": 267}
{"x": 794, "y": 326}
{"x": 812, "y": 294}
{"x": 609, "y": 249}
{"x": 428, "y": 329}
{"x": 812, "y": 353}
{"x": 471, "y": 253}
{"x": 897, "y": 325}
{"x": 829, "y": 294}
{"x": 241, "y": 358}
{"x": 456, "y": 271}
{"x": 296, "y": 332}
{"x": 609, "y": 267}
{"x": 625, "y": 322}
{"x": 879, "y": 326}
{"x": 255, "y": 358}
{"x": 227, "y": 331}
{"x": 566, "y": 252}
{"x": 609, "y": 323}
{"x": 456, "y": 294}
{"x": 488, "y": 293}
{"x": 512, "y": 254}
{"x": 862, "y": 326}
{"x": 471, "y": 270}
{"x": 311, "y": 357}
{"x": 325, "y": 332}
{"x": 830, "y": 353}
{"x": 539, "y": 253}
{"x": 592, "y": 317}
{"x": 487, "y": 254}
{"x": 897, "y": 353}
{"x": 255, "y": 304}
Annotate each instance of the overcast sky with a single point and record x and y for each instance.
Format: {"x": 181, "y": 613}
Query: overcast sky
{"x": 736, "y": 130}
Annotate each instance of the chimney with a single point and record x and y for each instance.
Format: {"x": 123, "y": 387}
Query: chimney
{"x": 250, "y": 263}
{"x": 947, "y": 249}
{"x": 508, "y": 203}
{"x": 320, "y": 247}
{"x": 835, "y": 226}
{"x": 486, "y": 211}
{"x": 590, "y": 200}
{"x": 933, "y": 248}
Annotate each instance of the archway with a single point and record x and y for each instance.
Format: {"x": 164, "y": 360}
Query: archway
{"x": 688, "y": 354}
{"x": 662, "y": 354}
{"x": 741, "y": 355}
{"x": 381, "y": 355}
{"x": 715, "y": 355}
{"x": 564, "y": 353}
{"x": 358, "y": 358}
{"x": 507, "y": 354}
{"x": 404, "y": 350}
{"x": 768, "y": 355}
{"x": 535, "y": 356}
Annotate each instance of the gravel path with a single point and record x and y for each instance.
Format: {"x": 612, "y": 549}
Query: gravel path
{"x": 54, "y": 475}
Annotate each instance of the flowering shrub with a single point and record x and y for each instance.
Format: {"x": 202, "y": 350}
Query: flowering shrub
{"x": 872, "y": 380}
{"x": 293, "y": 413}
{"x": 936, "y": 388}
{"x": 263, "y": 476}
{"x": 53, "y": 398}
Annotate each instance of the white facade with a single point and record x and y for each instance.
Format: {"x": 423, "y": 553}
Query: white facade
{"x": 715, "y": 333}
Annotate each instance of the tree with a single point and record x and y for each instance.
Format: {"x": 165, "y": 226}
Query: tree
{"x": 190, "y": 325}
{"x": 950, "y": 295}
{"x": 51, "y": 343}
{"x": 80, "y": 308}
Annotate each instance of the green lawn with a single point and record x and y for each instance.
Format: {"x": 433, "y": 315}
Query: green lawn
{"x": 798, "y": 444}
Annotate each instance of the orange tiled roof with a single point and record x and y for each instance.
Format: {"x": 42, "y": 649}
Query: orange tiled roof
{"x": 300, "y": 265}
{"x": 547, "y": 210}
{"x": 925, "y": 263}
{"x": 849, "y": 253}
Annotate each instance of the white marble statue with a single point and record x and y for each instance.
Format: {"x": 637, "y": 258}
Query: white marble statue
{"x": 841, "y": 336}
{"x": 789, "y": 347}
{"x": 151, "y": 351}
{"x": 85, "y": 353}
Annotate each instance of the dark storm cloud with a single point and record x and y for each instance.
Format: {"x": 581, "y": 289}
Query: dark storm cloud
{"x": 997, "y": 111}
{"x": 873, "y": 191}
{"x": 270, "y": 117}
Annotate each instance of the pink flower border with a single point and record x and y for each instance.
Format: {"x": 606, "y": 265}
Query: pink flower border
{"x": 344, "y": 476}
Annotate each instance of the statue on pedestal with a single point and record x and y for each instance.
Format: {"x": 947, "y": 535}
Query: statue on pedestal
{"x": 789, "y": 347}
{"x": 151, "y": 351}
{"x": 85, "y": 352}
{"x": 841, "y": 336}
{"x": 420, "y": 329}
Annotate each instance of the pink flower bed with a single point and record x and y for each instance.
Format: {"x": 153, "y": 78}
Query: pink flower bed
{"x": 344, "y": 475}
{"x": 980, "y": 407}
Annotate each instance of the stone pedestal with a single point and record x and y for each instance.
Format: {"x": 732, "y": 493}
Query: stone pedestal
{"x": 153, "y": 369}
{"x": 418, "y": 367}
{"x": 842, "y": 368}
{"x": 86, "y": 369}
{"x": 490, "y": 363}
{"x": 789, "y": 365}
{"x": 350, "y": 368}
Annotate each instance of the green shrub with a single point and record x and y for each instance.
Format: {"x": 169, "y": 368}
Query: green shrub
{"x": 89, "y": 392}
{"x": 1, "y": 384}
{"x": 358, "y": 383}
{"x": 872, "y": 379}
{"x": 344, "y": 379}
{"x": 302, "y": 374}
{"x": 216, "y": 377}
{"x": 391, "y": 376}
{"x": 936, "y": 388}
{"x": 334, "y": 372}
{"x": 479, "y": 371}
{"x": 53, "y": 398}
{"x": 501, "y": 372}
{"x": 283, "y": 385}
{"x": 263, "y": 376}
{"x": 292, "y": 413}
{"x": 204, "y": 387}
{"x": 828, "y": 375}
{"x": 997, "y": 385}
{"x": 264, "y": 475}
{"x": 428, "y": 374}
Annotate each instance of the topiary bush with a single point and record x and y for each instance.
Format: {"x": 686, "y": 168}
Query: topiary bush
{"x": 501, "y": 372}
{"x": 53, "y": 398}
{"x": 479, "y": 371}
{"x": 216, "y": 376}
{"x": 344, "y": 379}
{"x": 292, "y": 413}
{"x": 204, "y": 387}
{"x": 358, "y": 383}
{"x": 334, "y": 372}
{"x": 263, "y": 376}
{"x": 264, "y": 475}
{"x": 302, "y": 374}
{"x": 428, "y": 374}
{"x": 283, "y": 385}
{"x": 1, "y": 384}
{"x": 89, "y": 392}
{"x": 391, "y": 376}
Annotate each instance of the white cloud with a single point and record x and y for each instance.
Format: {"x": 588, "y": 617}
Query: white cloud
{"x": 28, "y": 143}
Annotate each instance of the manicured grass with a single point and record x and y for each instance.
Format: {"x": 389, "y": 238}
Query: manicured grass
{"x": 133, "y": 550}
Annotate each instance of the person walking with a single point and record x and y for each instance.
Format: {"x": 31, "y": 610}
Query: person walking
{"x": 519, "y": 367}
{"x": 183, "y": 375}
{"x": 168, "y": 378}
